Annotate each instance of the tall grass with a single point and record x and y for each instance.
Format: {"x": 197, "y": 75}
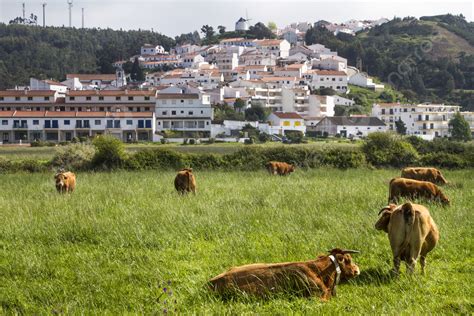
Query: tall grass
{"x": 125, "y": 242}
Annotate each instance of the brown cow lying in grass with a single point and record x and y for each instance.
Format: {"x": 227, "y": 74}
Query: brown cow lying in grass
{"x": 401, "y": 187}
{"x": 185, "y": 181}
{"x": 432, "y": 175}
{"x": 280, "y": 168}
{"x": 65, "y": 182}
{"x": 411, "y": 231}
{"x": 302, "y": 278}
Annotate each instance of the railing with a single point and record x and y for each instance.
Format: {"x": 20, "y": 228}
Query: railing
{"x": 20, "y": 125}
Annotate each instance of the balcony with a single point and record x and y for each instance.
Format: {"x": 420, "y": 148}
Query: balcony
{"x": 20, "y": 126}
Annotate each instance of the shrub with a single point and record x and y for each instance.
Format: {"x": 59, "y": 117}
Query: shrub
{"x": 294, "y": 137}
{"x": 192, "y": 141}
{"x": 211, "y": 140}
{"x": 264, "y": 137}
{"x": 109, "y": 154}
{"x": 40, "y": 143}
{"x": 157, "y": 158}
{"x": 344, "y": 159}
{"x": 204, "y": 161}
{"x": 249, "y": 141}
{"x": 164, "y": 141}
{"x": 387, "y": 149}
{"x": 6, "y": 165}
{"x": 443, "y": 160}
{"x": 75, "y": 156}
{"x": 185, "y": 141}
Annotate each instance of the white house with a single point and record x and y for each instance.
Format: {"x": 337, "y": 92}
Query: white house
{"x": 338, "y": 100}
{"x": 281, "y": 122}
{"x": 336, "y": 63}
{"x": 36, "y": 84}
{"x": 348, "y": 126}
{"x": 28, "y": 100}
{"x": 317, "y": 79}
{"x": 179, "y": 110}
{"x": 149, "y": 49}
{"x": 191, "y": 60}
{"x": 363, "y": 80}
{"x": 279, "y": 48}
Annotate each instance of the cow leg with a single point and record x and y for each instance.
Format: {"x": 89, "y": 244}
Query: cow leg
{"x": 396, "y": 265}
{"x": 423, "y": 263}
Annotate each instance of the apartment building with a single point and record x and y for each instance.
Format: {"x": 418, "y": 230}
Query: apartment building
{"x": 56, "y": 126}
{"x": 187, "y": 112}
{"x": 109, "y": 100}
{"x": 317, "y": 79}
{"x": 425, "y": 120}
{"x": 27, "y": 100}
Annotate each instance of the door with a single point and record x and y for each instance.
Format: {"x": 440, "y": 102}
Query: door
{"x": 6, "y": 138}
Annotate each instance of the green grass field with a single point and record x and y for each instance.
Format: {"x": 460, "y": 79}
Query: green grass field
{"x": 114, "y": 245}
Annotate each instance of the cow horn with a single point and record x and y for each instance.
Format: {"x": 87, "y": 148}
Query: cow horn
{"x": 350, "y": 251}
{"x": 384, "y": 209}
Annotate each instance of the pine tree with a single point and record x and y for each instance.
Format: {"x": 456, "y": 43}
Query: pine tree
{"x": 401, "y": 127}
{"x": 459, "y": 128}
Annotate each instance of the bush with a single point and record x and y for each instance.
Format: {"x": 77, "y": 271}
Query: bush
{"x": 40, "y": 143}
{"x": 389, "y": 150}
{"x": 249, "y": 141}
{"x": 344, "y": 159}
{"x": 185, "y": 141}
{"x": 156, "y": 158}
{"x": 75, "y": 156}
{"x": 443, "y": 160}
{"x": 164, "y": 141}
{"x": 31, "y": 165}
{"x": 294, "y": 137}
{"x": 264, "y": 137}
{"x": 109, "y": 154}
{"x": 192, "y": 141}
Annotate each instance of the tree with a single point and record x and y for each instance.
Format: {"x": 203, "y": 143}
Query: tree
{"x": 208, "y": 31}
{"x": 260, "y": 31}
{"x": 137, "y": 72}
{"x": 255, "y": 113}
{"x": 239, "y": 104}
{"x": 221, "y": 29}
{"x": 459, "y": 128}
{"x": 272, "y": 26}
{"x": 401, "y": 127}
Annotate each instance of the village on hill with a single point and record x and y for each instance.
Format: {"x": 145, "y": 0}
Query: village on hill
{"x": 277, "y": 86}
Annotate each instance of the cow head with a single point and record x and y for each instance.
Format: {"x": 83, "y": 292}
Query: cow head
{"x": 386, "y": 212}
{"x": 440, "y": 178}
{"x": 187, "y": 169}
{"x": 348, "y": 268}
{"x": 442, "y": 197}
{"x": 291, "y": 168}
{"x": 61, "y": 180}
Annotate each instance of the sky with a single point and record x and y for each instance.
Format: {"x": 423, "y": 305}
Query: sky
{"x": 173, "y": 17}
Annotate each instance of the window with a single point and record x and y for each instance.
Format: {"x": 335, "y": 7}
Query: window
{"x": 46, "y": 98}
{"x": 55, "y": 123}
{"x": 190, "y": 113}
{"x": 72, "y": 98}
{"x": 129, "y": 122}
{"x": 67, "y": 122}
{"x": 30, "y": 98}
{"x": 2, "y": 98}
{"x": 110, "y": 123}
{"x": 141, "y": 124}
{"x": 118, "y": 98}
{"x": 130, "y": 98}
{"x": 148, "y": 123}
{"x": 173, "y": 112}
{"x": 17, "y": 98}
{"x": 47, "y": 124}
{"x": 36, "y": 122}
{"x": 117, "y": 124}
{"x": 101, "y": 108}
{"x": 5, "y": 122}
{"x": 182, "y": 112}
{"x": 164, "y": 113}
{"x": 97, "y": 122}
{"x": 147, "y": 98}
{"x": 88, "y": 98}
{"x": 147, "y": 108}
{"x": 101, "y": 98}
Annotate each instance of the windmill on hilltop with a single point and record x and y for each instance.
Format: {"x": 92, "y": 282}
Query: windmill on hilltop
{"x": 242, "y": 24}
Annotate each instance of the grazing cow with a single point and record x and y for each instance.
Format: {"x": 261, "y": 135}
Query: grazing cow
{"x": 280, "y": 168}
{"x": 65, "y": 181}
{"x": 301, "y": 278}
{"x": 401, "y": 187}
{"x": 185, "y": 181}
{"x": 424, "y": 174}
{"x": 411, "y": 231}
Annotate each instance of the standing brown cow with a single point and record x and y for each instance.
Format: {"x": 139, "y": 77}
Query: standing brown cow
{"x": 401, "y": 187}
{"x": 65, "y": 182}
{"x": 303, "y": 278}
{"x": 424, "y": 174}
{"x": 185, "y": 181}
{"x": 280, "y": 168}
{"x": 411, "y": 231}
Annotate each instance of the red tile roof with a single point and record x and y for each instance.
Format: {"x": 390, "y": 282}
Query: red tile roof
{"x": 177, "y": 96}
{"x": 288, "y": 115}
{"x": 330, "y": 73}
{"x": 27, "y": 93}
{"x": 111, "y": 93}
{"x": 28, "y": 114}
{"x": 90, "y": 77}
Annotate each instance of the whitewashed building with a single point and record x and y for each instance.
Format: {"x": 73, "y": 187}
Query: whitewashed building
{"x": 281, "y": 122}
{"x": 348, "y": 126}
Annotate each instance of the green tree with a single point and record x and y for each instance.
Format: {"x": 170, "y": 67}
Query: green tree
{"x": 459, "y": 128}
{"x": 272, "y": 26}
{"x": 137, "y": 72}
{"x": 109, "y": 152}
{"x": 260, "y": 31}
{"x": 239, "y": 104}
{"x": 208, "y": 31}
{"x": 221, "y": 29}
{"x": 401, "y": 127}
{"x": 255, "y": 113}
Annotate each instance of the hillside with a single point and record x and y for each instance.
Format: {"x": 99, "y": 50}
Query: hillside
{"x": 429, "y": 60}
{"x": 52, "y": 52}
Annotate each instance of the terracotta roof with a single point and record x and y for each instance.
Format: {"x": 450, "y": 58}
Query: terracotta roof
{"x": 90, "y": 77}
{"x": 111, "y": 93}
{"x": 288, "y": 115}
{"x": 268, "y": 42}
{"x": 27, "y": 93}
{"x": 274, "y": 78}
{"x": 235, "y": 39}
{"x": 330, "y": 73}
{"x": 29, "y": 114}
{"x": 355, "y": 121}
{"x": 52, "y": 82}
{"x": 177, "y": 96}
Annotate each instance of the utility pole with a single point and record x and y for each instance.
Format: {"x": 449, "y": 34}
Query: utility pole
{"x": 69, "y": 2}
{"x": 44, "y": 14}
{"x": 82, "y": 17}
{"x": 23, "y": 5}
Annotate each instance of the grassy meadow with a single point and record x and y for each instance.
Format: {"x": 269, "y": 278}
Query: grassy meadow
{"x": 125, "y": 242}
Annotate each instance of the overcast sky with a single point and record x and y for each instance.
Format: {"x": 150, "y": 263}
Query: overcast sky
{"x": 173, "y": 17}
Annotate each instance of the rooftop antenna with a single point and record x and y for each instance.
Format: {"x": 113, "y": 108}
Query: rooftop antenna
{"x": 69, "y": 2}
{"x": 23, "y": 5}
{"x": 44, "y": 14}
{"x": 82, "y": 17}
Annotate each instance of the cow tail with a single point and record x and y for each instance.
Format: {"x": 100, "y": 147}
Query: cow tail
{"x": 409, "y": 218}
